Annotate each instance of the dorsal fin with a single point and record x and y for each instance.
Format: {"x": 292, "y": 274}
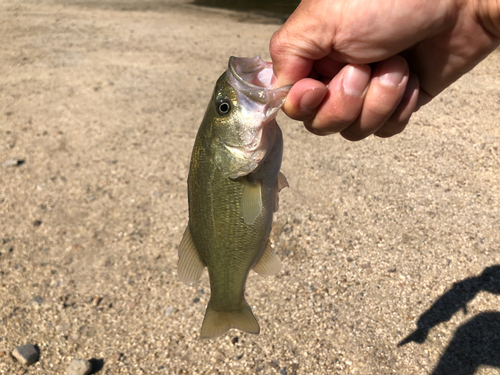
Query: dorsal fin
{"x": 281, "y": 183}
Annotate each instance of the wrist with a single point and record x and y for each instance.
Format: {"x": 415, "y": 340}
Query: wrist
{"x": 488, "y": 12}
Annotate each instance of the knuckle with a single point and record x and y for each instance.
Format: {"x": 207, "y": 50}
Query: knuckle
{"x": 331, "y": 126}
{"x": 338, "y": 117}
{"x": 391, "y": 128}
{"x": 382, "y": 108}
{"x": 317, "y": 131}
{"x": 332, "y": 120}
{"x": 353, "y": 135}
{"x": 279, "y": 43}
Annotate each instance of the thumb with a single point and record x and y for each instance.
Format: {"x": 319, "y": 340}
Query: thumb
{"x": 296, "y": 45}
{"x": 288, "y": 64}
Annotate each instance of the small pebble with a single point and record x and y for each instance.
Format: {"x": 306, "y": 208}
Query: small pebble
{"x": 170, "y": 310}
{"x": 117, "y": 357}
{"x": 274, "y": 365}
{"x": 104, "y": 262}
{"x": 96, "y": 301}
{"x": 8, "y": 248}
{"x": 26, "y": 354}
{"x": 62, "y": 328}
{"x": 79, "y": 367}
{"x": 37, "y": 301}
{"x": 74, "y": 337}
{"x": 12, "y": 162}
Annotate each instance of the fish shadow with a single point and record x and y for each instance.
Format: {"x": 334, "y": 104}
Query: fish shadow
{"x": 476, "y": 342}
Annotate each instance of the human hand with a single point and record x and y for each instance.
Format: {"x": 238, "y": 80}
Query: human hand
{"x": 363, "y": 67}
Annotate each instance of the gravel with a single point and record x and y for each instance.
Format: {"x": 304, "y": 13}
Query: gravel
{"x": 372, "y": 235}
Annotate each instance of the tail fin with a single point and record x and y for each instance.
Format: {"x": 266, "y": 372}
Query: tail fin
{"x": 216, "y": 323}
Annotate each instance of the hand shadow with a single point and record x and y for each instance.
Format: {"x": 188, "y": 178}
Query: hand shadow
{"x": 475, "y": 343}
{"x": 453, "y": 300}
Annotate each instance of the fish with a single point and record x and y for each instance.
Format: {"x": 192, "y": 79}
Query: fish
{"x": 233, "y": 190}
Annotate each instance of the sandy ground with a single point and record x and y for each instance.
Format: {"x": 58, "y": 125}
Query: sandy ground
{"x": 102, "y": 102}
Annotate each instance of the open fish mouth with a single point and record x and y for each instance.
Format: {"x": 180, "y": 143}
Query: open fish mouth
{"x": 253, "y": 72}
{"x": 255, "y": 78}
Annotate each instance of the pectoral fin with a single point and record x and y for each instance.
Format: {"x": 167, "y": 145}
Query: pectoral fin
{"x": 281, "y": 183}
{"x": 251, "y": 201}
{"x": 268, "y": 264}
{"x": 190, "y": 266}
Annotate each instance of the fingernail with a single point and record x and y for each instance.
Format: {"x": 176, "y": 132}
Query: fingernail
{"x": 311, "y": 99}
{"x": 391, "y": 79}
{"x": 355, "y": 81}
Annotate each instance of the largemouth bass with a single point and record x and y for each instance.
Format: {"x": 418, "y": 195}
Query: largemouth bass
{"x": 233, "y": 185}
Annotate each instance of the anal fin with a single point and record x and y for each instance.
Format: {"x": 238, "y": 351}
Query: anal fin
{"x": 268, "y": 264}
{"x": 190, "y": 266}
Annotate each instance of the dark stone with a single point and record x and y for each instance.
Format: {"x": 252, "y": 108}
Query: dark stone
{"x": 26, "y": 354}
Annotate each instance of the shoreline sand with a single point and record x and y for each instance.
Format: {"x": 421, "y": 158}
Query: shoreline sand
{"x": 102, "y": 106}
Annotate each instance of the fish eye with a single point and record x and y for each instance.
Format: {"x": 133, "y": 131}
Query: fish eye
{"x": 223, "y": 107}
